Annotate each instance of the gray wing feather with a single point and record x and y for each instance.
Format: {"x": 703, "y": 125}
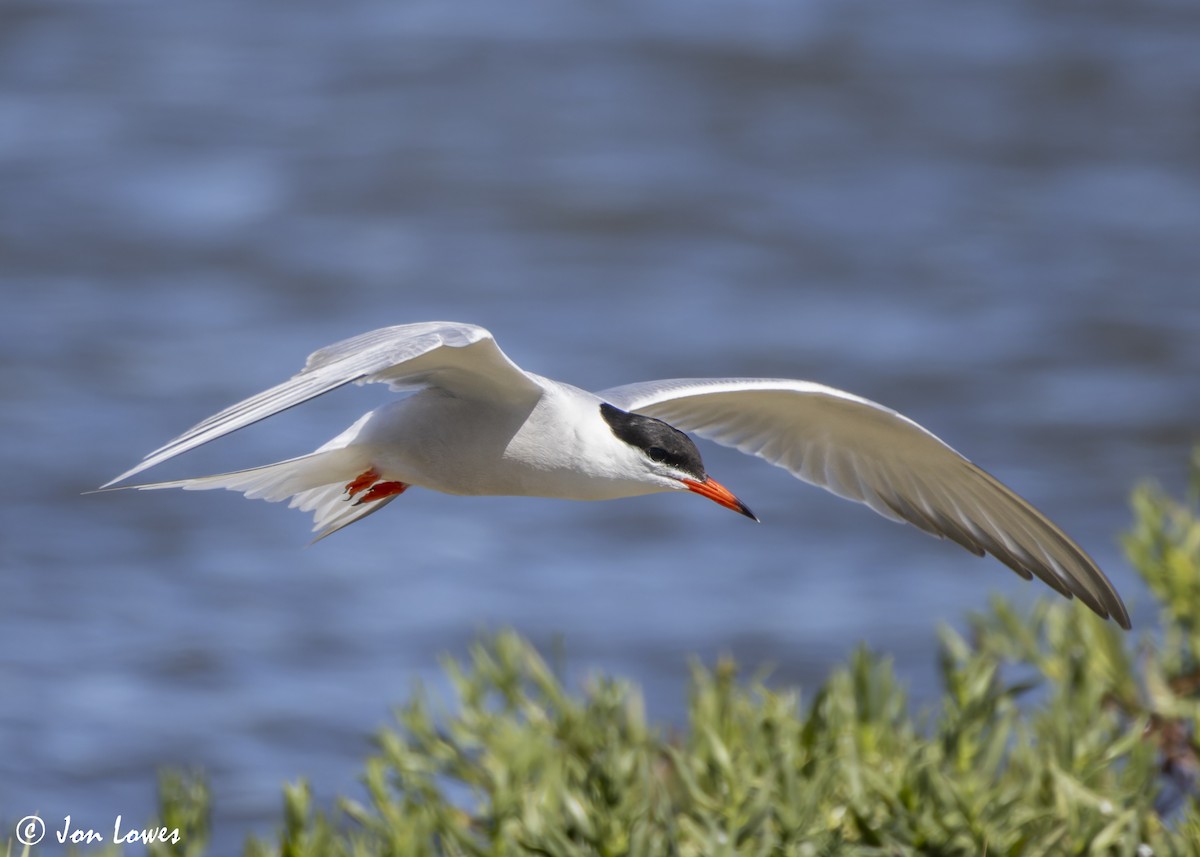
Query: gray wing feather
{"x": 866, "y": 452}
{"x": 462, "y": 358}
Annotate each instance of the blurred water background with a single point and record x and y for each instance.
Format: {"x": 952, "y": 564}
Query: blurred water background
{"x": 986, "y": 215}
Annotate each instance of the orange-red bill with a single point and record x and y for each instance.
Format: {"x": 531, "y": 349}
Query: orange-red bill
{"x": 718, "y": 493}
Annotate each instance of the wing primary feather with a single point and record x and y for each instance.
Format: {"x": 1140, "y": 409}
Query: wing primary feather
{"x": 282, "y": 397}
{"x": 462, "y": 358}
{"x": 867, "y": 452}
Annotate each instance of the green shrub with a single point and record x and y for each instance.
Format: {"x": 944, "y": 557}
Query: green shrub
{"x": 1055, "y": 734}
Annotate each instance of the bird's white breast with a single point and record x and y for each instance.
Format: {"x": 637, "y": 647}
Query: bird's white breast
{"x": 557, "y": 447}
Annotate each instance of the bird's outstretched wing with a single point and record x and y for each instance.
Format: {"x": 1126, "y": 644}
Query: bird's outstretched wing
{"x": 461, "y": 358}
{"x": 863, "y": 451}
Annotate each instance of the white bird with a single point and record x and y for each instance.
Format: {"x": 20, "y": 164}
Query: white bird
{"x": 478, "y": 424}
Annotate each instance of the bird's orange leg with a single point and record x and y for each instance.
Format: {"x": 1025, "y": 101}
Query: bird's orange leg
{"x": 368, "y": 484}
{"x": 382, "y": 489}
{"x": 361, "y": 482}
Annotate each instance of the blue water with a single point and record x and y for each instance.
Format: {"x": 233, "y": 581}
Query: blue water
{"x": 983, "y": 215}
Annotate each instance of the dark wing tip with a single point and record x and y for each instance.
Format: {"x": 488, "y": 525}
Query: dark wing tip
{"x": 1067, "y": 569}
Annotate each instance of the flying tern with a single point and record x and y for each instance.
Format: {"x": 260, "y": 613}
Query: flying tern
{"x": 477, "y": 424}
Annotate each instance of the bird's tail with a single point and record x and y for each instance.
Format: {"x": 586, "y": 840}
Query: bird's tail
{"x": 315, "y": 483}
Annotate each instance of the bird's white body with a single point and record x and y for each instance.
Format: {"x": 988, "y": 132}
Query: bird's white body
{"x": 476, "y": 423}
{"x": 436, "y": 440}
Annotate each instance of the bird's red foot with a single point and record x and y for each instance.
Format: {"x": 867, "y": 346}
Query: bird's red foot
{"x": 361, "y": 482}
{"x": 368, "y": 484}
{"x": 382, "y": 489}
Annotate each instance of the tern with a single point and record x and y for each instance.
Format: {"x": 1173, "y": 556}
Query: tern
{"x": 477, "y": 424}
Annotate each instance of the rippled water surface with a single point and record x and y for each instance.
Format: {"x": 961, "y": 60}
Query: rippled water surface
{"x": 984, "y": 215}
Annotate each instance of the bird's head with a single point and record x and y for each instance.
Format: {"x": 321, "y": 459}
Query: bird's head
{"x": 667, "y": 456}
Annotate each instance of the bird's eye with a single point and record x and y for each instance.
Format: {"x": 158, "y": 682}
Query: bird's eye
{"x": 657, "y": 454}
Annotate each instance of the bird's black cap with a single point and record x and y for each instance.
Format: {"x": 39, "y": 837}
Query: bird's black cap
{"x": 657, "y": 440}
